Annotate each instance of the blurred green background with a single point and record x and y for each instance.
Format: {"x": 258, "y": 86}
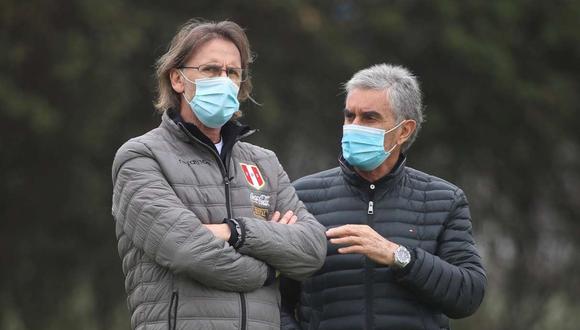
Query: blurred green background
{"x": 501, "y": 88}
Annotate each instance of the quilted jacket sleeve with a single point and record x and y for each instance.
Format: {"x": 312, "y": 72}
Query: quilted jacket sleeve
{"x": 296, "y": 250}
{"x": 148, "y": 213}
{"x": 453, "y": 280}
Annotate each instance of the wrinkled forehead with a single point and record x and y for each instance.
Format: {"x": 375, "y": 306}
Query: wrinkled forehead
{"x": 216, "y": 49}
{"x": 364, "y": 100}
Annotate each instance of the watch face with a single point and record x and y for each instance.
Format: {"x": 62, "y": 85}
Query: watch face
{"x": 402, "y": 256}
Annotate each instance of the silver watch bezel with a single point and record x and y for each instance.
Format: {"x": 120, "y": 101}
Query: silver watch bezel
{"x": 402, "y": 257}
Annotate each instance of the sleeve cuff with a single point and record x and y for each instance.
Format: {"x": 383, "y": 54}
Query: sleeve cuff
{"x": 271, "y": 278}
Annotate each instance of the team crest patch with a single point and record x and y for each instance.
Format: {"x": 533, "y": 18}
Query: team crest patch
{"x": 253, "y": 175}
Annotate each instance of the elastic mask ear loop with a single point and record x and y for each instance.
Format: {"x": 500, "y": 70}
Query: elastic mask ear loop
{"x": 397, "y": 126}
{"x": 392, "y": 129}
{"x": 393, "y": 148}
{"x": 187, "y": 79}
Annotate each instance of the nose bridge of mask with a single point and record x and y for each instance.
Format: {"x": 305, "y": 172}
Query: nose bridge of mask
{"x": 363, "y": 129}
{"x": 374, "y": 131}
{"x": 210, "y": 80}
{"x": 211, "y": 86}
{"x": 215, "y": 85}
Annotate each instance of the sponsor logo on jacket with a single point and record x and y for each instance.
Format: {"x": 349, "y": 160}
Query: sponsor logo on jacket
{"x": 261, "y": 205}
{"x": 195, "y": 162}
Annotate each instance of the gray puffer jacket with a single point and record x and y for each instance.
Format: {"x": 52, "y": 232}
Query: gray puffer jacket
{"x": 178, "y": 275}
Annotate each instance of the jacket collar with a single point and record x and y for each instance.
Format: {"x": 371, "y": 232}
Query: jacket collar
{"x": 388, "y": 181}
{"x": 172, "y": 127}
{"x": 231, "y": 132}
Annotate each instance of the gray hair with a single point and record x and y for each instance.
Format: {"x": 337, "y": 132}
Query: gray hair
{"x": 403, "y": 93}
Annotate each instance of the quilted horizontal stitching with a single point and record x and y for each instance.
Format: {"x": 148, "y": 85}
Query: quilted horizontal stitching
{"x": 130, "y": 200}
{"x": 139, "y": 264}
{"x": 139, "y": 215}
{"x": 197, "y": 185}
{"x": 165, "y": 235}
{"x": 140, "y": 285}
{"x": 127, "y": 202}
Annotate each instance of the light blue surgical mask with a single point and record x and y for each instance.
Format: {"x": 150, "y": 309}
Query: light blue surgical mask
{"x": 215, "y": 100}
{"x": 364, "y": 147}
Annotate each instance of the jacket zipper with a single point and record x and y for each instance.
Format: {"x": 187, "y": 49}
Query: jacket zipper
{"x": 243, "y": 301}
{"x": 225, "y": 174}
{"x": 172, "y": 313}
{"x": 173, "y": 306}
{"x": 369, "y": 266}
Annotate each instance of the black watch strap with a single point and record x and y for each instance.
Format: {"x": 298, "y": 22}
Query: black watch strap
{"x": 236, "y": 233}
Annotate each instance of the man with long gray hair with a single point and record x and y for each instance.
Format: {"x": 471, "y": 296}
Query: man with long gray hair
{"x": 204, "y": 221}
{"x": 401, "y": 252}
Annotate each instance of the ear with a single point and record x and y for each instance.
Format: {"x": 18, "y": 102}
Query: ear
{"x": 407, "y": 128}
{"x": 177, "y": 81}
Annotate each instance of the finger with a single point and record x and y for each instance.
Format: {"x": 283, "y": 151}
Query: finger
{"x": 275, "y": 217}
{"x": 347, "y": 240}
{"x": 346, "y": 230}
{"x": 286, "y": 218}
{"x": 335, "y": 232}
{"x": 293, "y": 220}
{"x": 351, "y": 249}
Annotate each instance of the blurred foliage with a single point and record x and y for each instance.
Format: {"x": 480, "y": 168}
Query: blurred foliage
{"x": 500, "y": 82}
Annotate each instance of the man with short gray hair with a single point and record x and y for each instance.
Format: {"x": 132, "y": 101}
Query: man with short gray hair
{"x": 401, "y": 252}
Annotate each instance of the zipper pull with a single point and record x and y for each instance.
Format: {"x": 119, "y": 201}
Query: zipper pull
{"x": 371, "y": 208}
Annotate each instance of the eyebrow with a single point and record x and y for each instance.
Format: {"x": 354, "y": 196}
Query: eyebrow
{"x": 365, "y": 115}
{"x": 214, "y": 60}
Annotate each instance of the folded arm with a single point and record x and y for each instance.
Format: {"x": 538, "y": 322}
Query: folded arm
{"x": 148, "y": 212}
{"x": 296, "y": 250}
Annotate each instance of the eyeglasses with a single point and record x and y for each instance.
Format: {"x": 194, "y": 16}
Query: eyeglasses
{"x": 237, "y": 75}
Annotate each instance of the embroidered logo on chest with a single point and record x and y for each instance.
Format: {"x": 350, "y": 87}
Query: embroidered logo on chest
{"x": 195, "y": 162}
{"x": 260, "y": 205}
{"x": 253, "y": 175}
{"x": 260, "y": 200}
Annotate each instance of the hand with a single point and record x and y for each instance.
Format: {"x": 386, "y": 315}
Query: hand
{"x": 220, "y": 231}
{"x": 288, "y": 219}
{"x": 362, "y": 239}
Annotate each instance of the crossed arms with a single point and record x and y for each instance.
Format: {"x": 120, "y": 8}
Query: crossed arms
{"x": 148, "y": 213}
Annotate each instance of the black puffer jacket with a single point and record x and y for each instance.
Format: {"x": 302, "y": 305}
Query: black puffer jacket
{"x": 427, "y": 215}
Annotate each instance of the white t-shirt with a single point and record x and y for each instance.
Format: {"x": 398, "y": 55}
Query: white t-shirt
{"x": 219, "y": 146}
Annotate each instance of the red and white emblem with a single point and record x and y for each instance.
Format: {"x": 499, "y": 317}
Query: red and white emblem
{"x": 253, "y": 175}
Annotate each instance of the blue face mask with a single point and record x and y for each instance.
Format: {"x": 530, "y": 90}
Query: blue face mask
{"x": 215, "y": 100}
{"x": 364, "y": 147}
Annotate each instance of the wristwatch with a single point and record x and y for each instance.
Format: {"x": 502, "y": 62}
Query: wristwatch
{"x": 402, "y": 257}
{"x": 237, "y": 235}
